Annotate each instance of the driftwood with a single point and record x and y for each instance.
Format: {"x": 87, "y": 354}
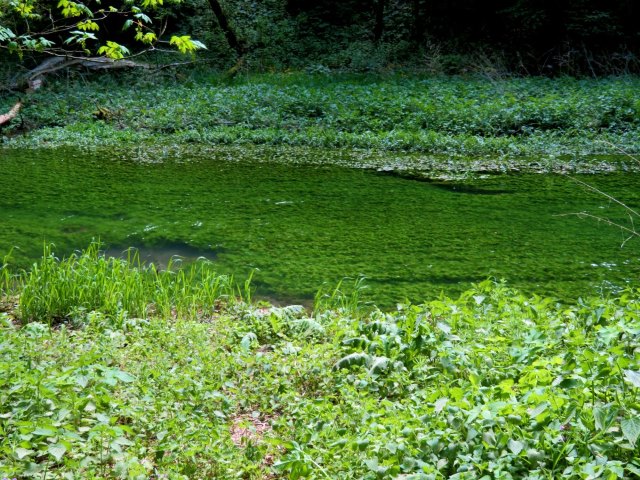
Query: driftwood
{"x": 34, "y": 78}
{"x": 11, "y": 114}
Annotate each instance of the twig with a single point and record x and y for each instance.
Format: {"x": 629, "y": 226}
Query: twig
{"x": 631, "y": 213}
{"x": 600, "y": 192}
{"x": 622, "y": 151}
{"x": 632, "y": 231}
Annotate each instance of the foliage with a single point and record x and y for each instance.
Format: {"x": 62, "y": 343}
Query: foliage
{"x": 492, "y": 385}
{"x": 575, "y": 37}
{"x": 76, "y": 28}
{"x": 495, "y": 37}
{"x": 465, "y": 116}
{"x": 57, "y": 289}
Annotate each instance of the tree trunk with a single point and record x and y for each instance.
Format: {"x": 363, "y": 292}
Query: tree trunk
{"x": 378, "y": 28}
{"x": 230, "y": 35}
{"x": 32, "y": 80}
{"x": 418, "y": 22}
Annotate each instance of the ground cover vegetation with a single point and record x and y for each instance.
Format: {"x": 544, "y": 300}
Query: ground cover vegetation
{"x": 112, "y": 370}
{"x": 449, "y": 115}
{"x": 491, "y": 39}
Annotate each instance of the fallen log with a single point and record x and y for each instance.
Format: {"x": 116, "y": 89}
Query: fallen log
{"x": 11, "y": 114}
{"x": 33, "y": 78}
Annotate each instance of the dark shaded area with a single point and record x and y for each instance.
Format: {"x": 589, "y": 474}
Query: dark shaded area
{"x": 529, "y": 37}
{"x": 571, "y": 36}
{"x": 454, "y": 187}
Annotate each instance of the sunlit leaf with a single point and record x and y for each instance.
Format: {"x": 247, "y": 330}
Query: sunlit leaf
{"x": 57, "y": 450}
{"x": 515, "y": 446}
{"x": 23, "y": 452}
{"x": 631, "y": 429}
{"x": 353, "y": 359}
{"x": 632, "y": 377}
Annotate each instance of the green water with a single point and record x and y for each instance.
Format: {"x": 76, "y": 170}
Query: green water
{"x": 305, "y": 226}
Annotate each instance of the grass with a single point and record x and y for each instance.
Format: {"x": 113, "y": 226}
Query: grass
{"x": 56, "y": 289}
{"x": 452, "y": 116}
{"x": 489, "y": 385}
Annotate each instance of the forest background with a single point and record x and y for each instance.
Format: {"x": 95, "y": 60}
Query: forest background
{"x": 525, "y": 37}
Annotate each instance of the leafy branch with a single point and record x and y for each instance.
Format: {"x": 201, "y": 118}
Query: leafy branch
{"x": 71, "y": 28}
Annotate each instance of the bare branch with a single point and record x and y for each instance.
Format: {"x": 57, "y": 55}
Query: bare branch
{"x": 622, "y": 151}
{"x": 606, "y": 195}
{"x": 11, "y": 114}
{"x": 631, "y": 231}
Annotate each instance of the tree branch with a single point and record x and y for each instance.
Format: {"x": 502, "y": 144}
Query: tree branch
{"x": 11, "y": 114}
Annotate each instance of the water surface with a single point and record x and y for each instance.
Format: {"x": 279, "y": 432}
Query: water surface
{"x": 304, "y": 226}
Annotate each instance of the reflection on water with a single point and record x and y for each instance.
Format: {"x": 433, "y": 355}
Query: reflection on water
{"x": 162, "y": 255}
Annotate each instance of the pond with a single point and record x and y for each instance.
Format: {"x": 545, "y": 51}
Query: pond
{"x": 305, "y": 226}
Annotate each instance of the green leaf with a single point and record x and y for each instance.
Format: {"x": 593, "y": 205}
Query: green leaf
{"x": 440, "y": 404}
{"x": 143, "y": 17}
{"x": 44, "y": 431}
{"x": 123, "y": 376}
{"x": 444, "y": 327}
{"x": 489, "y": 437}
{"x": 379, "y": 364}
{"x": 616, "y": 468}
{"x": 600, "y": 418}
{"x": 113, "y": 50}
{"x": 247, "y": 340}
{"x": 515, "y": 446}
{"x": 23, "y": 452}
{"x": 479, "y": 299}
{"x": 352, "y": 359}
{"x": 372, "y": 464}
{"x": 6, "y": 34}
{"x": 632, "y": 377}
{"x": 82, "y": 380}
{"x": 185, "y": 44}
{"x": 603, "y": 416}
{"x": 57, "y": 451}
{"x": 198, "y": 45}
{"x": 535, "y": 412}
{"x": 123, "y": 441}
{"x": 631, "y": 429}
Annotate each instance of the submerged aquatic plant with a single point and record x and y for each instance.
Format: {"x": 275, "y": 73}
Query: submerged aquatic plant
{"x": 629, "y": 230}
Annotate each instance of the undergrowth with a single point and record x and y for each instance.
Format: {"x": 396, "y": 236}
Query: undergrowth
{"x": 56, "y": 289}
{"x": 449, "y": 115}
{"x": 491, "y": 385}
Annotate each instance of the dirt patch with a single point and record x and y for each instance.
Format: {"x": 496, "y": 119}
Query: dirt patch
{"x": 248, "y": 428}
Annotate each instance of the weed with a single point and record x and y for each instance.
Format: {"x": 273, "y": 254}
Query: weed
{"x": 58, "y": 289}
{"x": 454, "y": 116}
{"x": 493, "y": 384}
